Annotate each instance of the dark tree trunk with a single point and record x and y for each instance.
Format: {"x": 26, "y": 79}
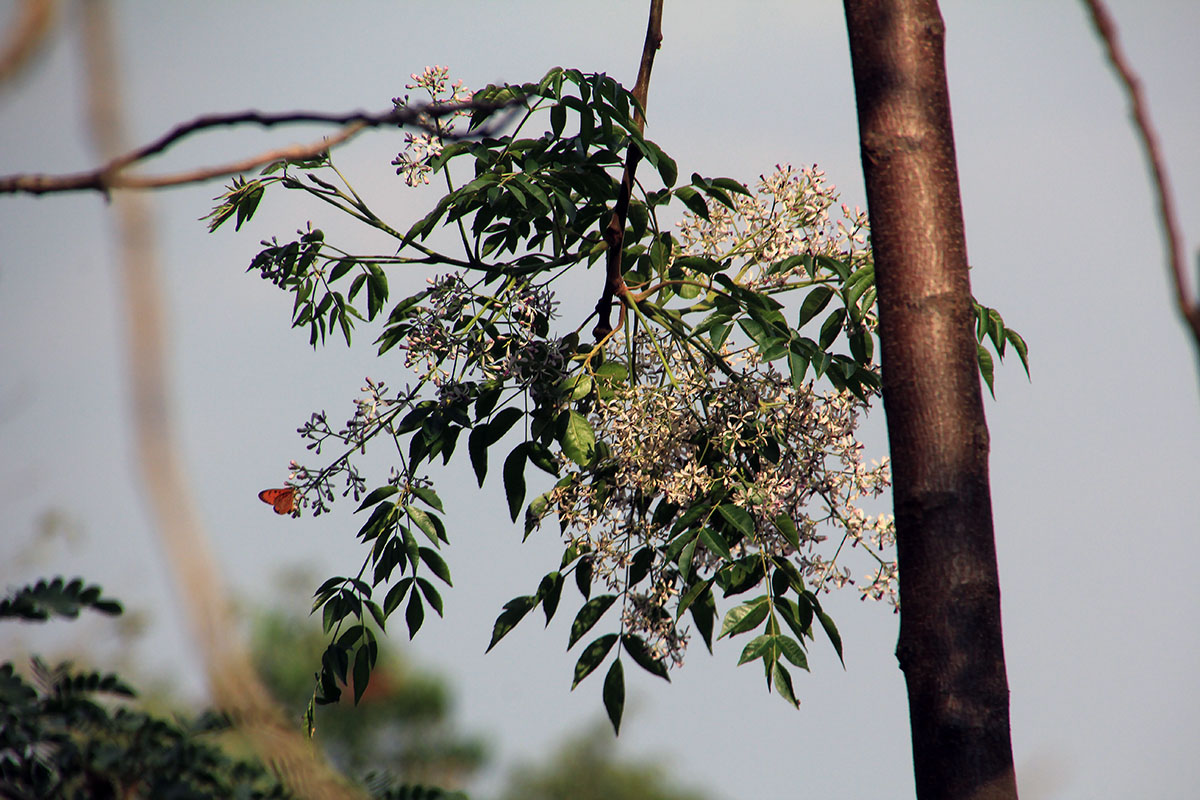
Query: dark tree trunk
{"x": 950, "y": 647}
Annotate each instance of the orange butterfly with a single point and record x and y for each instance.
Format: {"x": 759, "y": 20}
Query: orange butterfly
{"x": 282, "y": 500}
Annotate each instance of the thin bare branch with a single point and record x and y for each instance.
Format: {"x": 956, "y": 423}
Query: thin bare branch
{"x": 112, "y": 175}
{"x": 1189, "y": 306}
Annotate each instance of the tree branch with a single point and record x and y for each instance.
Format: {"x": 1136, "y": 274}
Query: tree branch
{"x": 112, "y": 175}
{"x": 614, "y": 233}
{"x": 1189, "y": 306}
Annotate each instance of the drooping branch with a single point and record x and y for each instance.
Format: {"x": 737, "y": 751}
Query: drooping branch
{"x": 614, "y": 233}
{"x": 1189, "y": 305}
{"x": 113, "y": 174}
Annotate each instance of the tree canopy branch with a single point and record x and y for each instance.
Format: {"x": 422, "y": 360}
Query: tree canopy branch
{"x": 112, "y": 175}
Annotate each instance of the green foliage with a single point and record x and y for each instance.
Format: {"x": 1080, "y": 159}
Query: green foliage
{"x": 690, "y": 446}
{"x": 585, "y": 768}
{"x": 49, "y": 598}
{"x": 396, "y": 731}
{"x": 60, "y": 735}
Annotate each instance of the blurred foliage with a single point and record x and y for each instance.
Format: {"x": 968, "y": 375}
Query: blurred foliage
{"x": 586, "y": 768}
{"x": 400, "y": 728}
{"x": 63, "y": 734}
{"x": 69, "y": 732}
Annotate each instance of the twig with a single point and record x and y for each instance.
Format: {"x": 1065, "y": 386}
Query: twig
{"x": 1189, "y": 307}
{"x": 614, "y": 233}
{"x": 111, "y": 175}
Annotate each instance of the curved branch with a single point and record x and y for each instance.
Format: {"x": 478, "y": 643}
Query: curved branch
{"x": 1189, "y": 306}
{"x": 111, "y": 175}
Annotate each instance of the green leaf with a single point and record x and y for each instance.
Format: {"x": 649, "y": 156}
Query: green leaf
{"x": 792, "y": 650}
{"x": 377, "y": 495}
{"x": 550, "y": 592}
{"x": 667, "y": 169}
{"x": 788, "y": 528}
{"x": 986, "y": 367}
{"x": 514, "y": 479}
{"x": 716, "y": 543}
{"x": 757, "y": 646}
{"x": 738, "y": 517}
{"x": 395, "y": 595}
{"x": 862, "y": 346}
{"x": 783, "y": 684}
{"x": 429, "y": 497}
{"x": 831, "y": 328}
{"x": 693, "y": 200}
{"x": 614, "y": 694}
{"x": 424, "y": 521}
{"x": 588, "y": 616}
{"x": 583, "y": 577}
{"x": 436, "y": 564}
{"x": 1019, "y": 345}
{"x": 640, "y": 653}
{"x": 40, "y": 601}
{"x": 685, "y": 558}
{"x": 797, "y": 366}
{"x": 477, "y": 446}
{"x": 591, "y": 657}
{"x": 558, "y": 119}
{"x": 514, "y": 610}
{"x": 411, "y": 547}
{"x": 832, "y": 632}
{"x": 745, "y": 617}
{"x": 704, "y": 613}
{"x": 431, "y": 595}
{"x": 578, "y": 386}
{"x": 362, "y": 672}
{"x": 814, "y": 304}
{"x": 377, "y": 614}
{"x": 639, "y": 566}
{"x": 797, "y": 615}
{"x": 414, "y": 614}
{"x": 579, "y": 440}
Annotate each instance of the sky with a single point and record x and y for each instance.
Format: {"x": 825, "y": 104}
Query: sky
{"x": 1092, "y": 461}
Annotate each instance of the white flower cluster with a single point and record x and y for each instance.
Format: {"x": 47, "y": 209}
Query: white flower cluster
{"x": 755, "y": 440}
{"x": 789, "y": 215}
{"x": 420, "y": 149}
{"x": 460, "y": 332}
{"x": 684, "y": 433}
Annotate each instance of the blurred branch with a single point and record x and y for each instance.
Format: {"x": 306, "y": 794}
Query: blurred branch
{"x": 235, "y": 686}
{"x": 1189, "y": 306}
{"x": 112, "y": 174}
{"x": 28, "y": 33}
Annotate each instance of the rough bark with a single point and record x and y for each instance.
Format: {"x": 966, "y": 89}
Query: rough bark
{"x": 950, "y": 647}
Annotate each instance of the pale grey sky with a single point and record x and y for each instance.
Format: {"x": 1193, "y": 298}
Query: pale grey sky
{"x": 1093, "y": 463}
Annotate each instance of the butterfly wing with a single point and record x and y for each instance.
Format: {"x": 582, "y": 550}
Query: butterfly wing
{"x": 282, "y": 500}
